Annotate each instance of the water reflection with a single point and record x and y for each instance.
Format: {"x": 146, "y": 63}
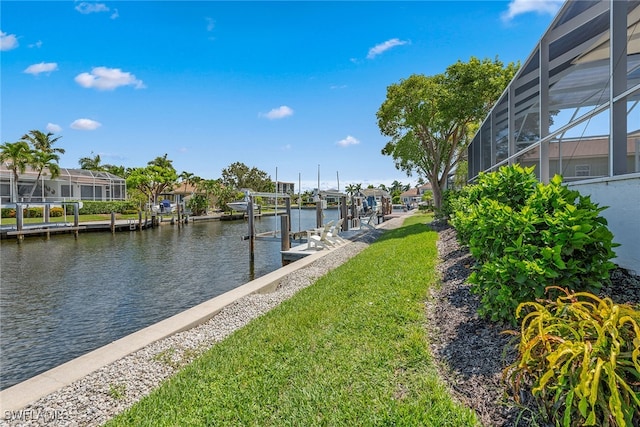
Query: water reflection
{"x": 63, "y": 297}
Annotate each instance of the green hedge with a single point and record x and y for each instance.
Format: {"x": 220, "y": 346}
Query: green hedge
{"x": 96, "y": 208}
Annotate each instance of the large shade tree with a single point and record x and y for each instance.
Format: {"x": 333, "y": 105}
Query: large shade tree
{"x": 240, "y": 176}
{"x": 431, "y": 119}
{"x": 159, "y": 175}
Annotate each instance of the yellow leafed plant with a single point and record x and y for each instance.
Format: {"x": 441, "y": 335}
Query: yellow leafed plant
{"x": 580, "y": 354}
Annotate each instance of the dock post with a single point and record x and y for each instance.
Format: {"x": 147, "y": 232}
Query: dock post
{"x": 285, "y": 241}
{"x": 76, "y": 218}
{"x": 46, "y": 214}
{"x": 287, "y": 205}
{"x": 19, "y": 221}
{"x": 343, "y": 213}
{"x": 250, "y": 222}
{"x": 354, "y": 213}
{"x": 140, "y": 220}
{"x": 319, "y": 213}
{"x": 113, "y": 222}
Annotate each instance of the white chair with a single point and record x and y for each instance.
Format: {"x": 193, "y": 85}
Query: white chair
{"x": 319, "y": 241}
{"x": 368, "y": 222}
{"x": 333, "y": 235}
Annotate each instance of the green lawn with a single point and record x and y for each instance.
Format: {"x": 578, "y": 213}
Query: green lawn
{"x": 349, "y": 350}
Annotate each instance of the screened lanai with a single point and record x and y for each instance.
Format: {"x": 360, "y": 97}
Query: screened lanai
{"x": 572, "y": 109}
{"x": 70, "y": 184}
{"x": 579, "y": 87}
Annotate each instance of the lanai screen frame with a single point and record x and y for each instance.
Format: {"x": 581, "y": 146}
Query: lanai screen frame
{"x": 569, "y": 72}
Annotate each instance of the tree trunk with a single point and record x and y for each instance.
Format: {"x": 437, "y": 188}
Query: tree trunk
{"x": 33, "y": 188}
{"x": 15, "y": 186}
{"x": 437, "y": 194}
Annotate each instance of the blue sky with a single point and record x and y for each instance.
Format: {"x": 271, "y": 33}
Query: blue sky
{"x": 286, "y": 86}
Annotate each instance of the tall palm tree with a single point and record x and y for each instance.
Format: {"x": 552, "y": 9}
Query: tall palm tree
{"x": 17, "y": 156}
{"x": 41, "y": 141}
{"x": 40, "y": 161}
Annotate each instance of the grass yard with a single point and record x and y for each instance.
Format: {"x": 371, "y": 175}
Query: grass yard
{"x": 349, "y": 350}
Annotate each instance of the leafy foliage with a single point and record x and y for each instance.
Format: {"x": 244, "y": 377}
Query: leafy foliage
{"x": 431, "y": 119}
{"x": 198, "y": 203}
{"x": 100, "y": 207}
{"x": 581, "y": 355}
{"x": 152, "y": 180}
{"x": 526, "y": 236}
{"x": 239, "y": 176}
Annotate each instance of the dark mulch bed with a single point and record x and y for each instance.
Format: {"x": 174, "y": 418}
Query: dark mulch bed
{"x": 473, "y": 352}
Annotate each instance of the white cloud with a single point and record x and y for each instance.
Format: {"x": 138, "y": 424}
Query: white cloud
{"x": 37, "y": 44}
{"x": 349, "y": 140}
{"x": 115, "y": 14}
{"x": 85, "y": 124}
{"x": 210, "y": 24}
{"x": 278, "y": 113}
{"x": 43, "y": 67}
{"x": 86, "y": 8}
{"x": 518, "y": 7}
{"x": 383, "y": 47}
{"x": 103, "y": 78}
{"x": 8, "y": 41}
{"x": 53, "y": 128}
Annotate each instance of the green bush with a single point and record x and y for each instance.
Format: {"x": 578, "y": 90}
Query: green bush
{"x": 32, "y": 212}
{"x": 447, "y": 210}
{"x": 8, "y": 213}
{"x": 526, "y": 236}
{"x": 580, "y": 354}
{"x": 510, "y": 186}
{"x": 198, "y": 203}
{"x": 99, "y": 207}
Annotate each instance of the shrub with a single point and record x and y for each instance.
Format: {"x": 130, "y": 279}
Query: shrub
{"x": 56, "y": 212}
{"x": 8, "y": 213}
{"x": 528, "y": 236}
{"x": 510, "y": 186}
{"x": 32, "y": 212}
{"x": 198, "y": 203}
{"x": 581, "y": 356}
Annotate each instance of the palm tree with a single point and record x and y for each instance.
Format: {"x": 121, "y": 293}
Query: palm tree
{"x": 41, "y": 141}
{"x": 91, "y": 163}
{"x": 40, "y": 161}
{"x": 17, "y": 156}
{"x": 186, "y": 179}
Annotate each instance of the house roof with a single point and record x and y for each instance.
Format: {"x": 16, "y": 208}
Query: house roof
{"x": 582, "y": 148}
{"x": 77, "y": 175}
{"x": 374, "y": 192}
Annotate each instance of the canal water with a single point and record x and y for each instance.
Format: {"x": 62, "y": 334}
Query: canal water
{"x": 61, "y": 298}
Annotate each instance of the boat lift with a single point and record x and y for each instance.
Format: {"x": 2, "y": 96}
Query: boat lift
{"x": 285, "y": 223}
